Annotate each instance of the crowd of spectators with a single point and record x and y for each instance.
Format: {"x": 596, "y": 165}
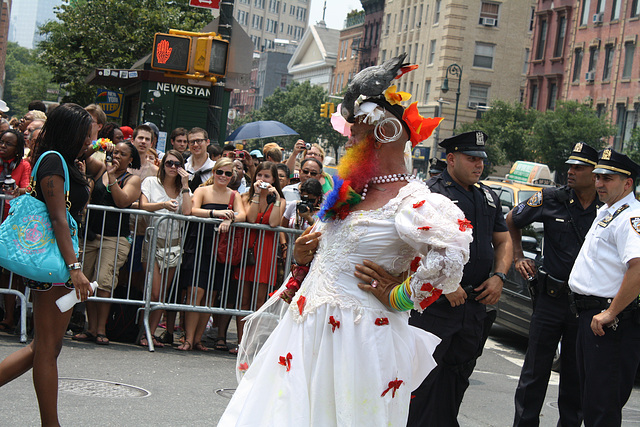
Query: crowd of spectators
{"x": 193, "y": 177}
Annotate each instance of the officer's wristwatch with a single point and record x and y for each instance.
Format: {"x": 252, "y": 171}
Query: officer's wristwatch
{"x": 500, "y": 275}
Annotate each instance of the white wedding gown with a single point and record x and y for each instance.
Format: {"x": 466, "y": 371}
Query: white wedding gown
{"x": 312, "y": 371}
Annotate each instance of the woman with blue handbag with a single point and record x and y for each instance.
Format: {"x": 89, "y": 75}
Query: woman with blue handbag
{"x": 66, "y": 135}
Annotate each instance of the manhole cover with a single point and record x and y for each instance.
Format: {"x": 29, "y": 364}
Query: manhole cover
{"x": 629, "y": 415}
{"x": 226, "y": 392}
{"x": 98, "y": 388}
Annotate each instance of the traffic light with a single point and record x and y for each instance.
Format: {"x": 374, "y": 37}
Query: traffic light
{"x": 324, "y": 110}
{"x": 211, "y": 56}
{"x": 332, "y": 108}
{"x": 171, "y": 53}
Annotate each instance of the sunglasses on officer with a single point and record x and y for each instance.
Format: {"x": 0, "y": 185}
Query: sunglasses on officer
{"x": 226, "y": 173}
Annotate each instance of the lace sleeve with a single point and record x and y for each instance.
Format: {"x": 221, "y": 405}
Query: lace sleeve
{"x": 437, "y": 229}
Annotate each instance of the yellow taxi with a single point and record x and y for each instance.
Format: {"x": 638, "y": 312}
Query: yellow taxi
{"x": 510, "y": 192}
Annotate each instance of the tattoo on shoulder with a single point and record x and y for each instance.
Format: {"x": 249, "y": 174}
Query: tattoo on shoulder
{"x": 50, "y": 184}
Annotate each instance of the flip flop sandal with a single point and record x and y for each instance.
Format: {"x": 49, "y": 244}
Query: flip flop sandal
{"x": 186, "y": 346}
{"x": 221, "y": 344}
{"x": 200, "y": 347}
{"x": 88, "y": 337}
{"x": 101, "y": 339}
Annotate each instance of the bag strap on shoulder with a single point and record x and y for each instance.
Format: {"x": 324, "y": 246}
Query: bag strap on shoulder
{"x": 64, "y": 166}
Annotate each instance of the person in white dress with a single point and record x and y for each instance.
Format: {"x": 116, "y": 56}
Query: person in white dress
{"x": 343, "y": 353}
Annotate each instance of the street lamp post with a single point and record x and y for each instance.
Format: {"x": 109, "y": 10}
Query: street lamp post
{"x": 455, "y": 70}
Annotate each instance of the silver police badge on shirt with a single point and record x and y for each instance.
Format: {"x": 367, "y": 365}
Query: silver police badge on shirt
{"x": 635, "y": 223}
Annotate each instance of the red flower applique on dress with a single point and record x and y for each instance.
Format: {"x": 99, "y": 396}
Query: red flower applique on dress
{"x": 415, "y": 263}
{"x": 393, "y": 386}
{"x": 420, "y": 203}
{"x": 426, "y": 227}
{"x": 243, "y": 367}
{"x": 286, "y": 361}
{"x": 465, "y": 224}
{"x": 381, "y": 321}
{"x": 301, "y": 301}
{"x": 334, "y": 323}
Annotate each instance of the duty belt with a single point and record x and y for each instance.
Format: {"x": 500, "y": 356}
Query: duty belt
{"x": 552, "y": 286}
{"x": 582, "y": 303}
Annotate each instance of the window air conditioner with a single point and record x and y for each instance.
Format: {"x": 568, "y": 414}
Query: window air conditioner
{"x": 590, "y": 76}
{"x": 473, "y": 105}
{"x": 597, "y": 17}
{"x": 489, "y": 22}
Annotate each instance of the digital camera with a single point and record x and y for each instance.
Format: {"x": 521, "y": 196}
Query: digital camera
{"x": 263, "y": 185}
{"x": 307, "y": 146}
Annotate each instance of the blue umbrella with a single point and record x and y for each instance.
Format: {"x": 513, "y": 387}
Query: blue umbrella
{"x": 261, "y": 129}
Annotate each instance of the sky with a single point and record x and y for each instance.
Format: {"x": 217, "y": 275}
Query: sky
{"x": 336, "y": 12}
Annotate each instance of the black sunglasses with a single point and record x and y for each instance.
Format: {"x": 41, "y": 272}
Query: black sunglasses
{"x": 309, "y": 172}
{"x": 173, "y": 163}
{"x": 227, "y": 173}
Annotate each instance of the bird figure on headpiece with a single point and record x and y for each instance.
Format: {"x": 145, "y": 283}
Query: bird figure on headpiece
{"x": 372, "y": 81}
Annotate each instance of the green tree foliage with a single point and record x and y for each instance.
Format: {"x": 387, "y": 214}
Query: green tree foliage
{"x": 25, "y": 79}
{"x": 555, "y": 133}
{"x": 298, "y": 106}
{"x": 508, "y": 127}
{"x": 516, "y": 133}
{"x": 108, "y": 34}
{"x": 632, "y": 146}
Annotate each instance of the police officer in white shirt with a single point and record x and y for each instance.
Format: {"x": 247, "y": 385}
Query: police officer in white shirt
{"x": 605, "y": 282}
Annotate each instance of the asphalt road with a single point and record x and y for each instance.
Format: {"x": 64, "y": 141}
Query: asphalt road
{"x": 125, "y": 385}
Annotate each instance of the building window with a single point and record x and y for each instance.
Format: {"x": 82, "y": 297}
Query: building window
{"x": 483, "y": 57}
{"x": 608, "y": 61}
{"x": 542, "y": 38}
{"x": 400, "y": 21}
{"x": 427, "y": 89}
{"x": 436, "y": 12}
{"x": 478, "y": 94}
{"x": 629, "y": 50}
{"x": 413, "y": 17}
{"x": 562, "y": 28}
{"x": 408, "y": 53}
{"x": 600, "y": 6}
{"x": 577, "y": 64}
{"x": 615, "y": 10}
{"x": 533, "y": 102}
{"x": 386, "y": 28}
{"x": 600, "y": 110}
{"x": 383, "y": 57}
{"x": 586, "y": 5}
{"x": 532, "y": 18}
{"x": 635, "y": 8}
{"x": 621, "y": 115}
{"x": 525, "y": 67}
{"x": 432, "y": 52}
{"x": 553, "y": 94}
{"x": 593, "y": 58}
{"x": 415, "y": 54}
{"x": 419, "y": 23}
{"x": 489, "y": 14}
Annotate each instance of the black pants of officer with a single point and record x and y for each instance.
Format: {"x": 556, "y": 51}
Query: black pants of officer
{"x": 607, "y": 368}
{"x": 437, "y": 401}
{"x": 551, "y": 320}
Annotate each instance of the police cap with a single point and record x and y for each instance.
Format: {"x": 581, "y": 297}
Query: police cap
{"x": 470, "y": 143}
{"x": 612, "y": 162}
{"x": 583, "y": 154}
{"x": 437, "y": 165}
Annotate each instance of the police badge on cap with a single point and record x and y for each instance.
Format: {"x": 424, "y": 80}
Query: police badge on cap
{"x": 583, "y": 154}
{"x": 612, "y": 162}
{"x": 470, "y": 143}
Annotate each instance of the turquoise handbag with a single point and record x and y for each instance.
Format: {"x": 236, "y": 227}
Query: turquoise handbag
{"x": 28, "y": 245}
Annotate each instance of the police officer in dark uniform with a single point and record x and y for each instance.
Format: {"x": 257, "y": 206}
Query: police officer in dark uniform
{"x": 460, "y": 318}
{"x": 567, "y": 213}
{"x": 605, "y": 283}
{"x": 436, "y": 167}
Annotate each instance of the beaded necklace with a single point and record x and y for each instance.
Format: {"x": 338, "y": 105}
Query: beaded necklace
{"x": 383, "y": 179}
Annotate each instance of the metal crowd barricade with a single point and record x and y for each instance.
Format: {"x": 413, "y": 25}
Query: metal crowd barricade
{"x": 238, "y": 282}
{"x": 12, "y": 288}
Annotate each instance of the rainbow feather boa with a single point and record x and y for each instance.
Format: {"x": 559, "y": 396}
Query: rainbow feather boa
{"x": 339, "y": 201}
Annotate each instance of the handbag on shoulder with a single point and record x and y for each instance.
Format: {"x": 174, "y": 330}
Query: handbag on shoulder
{"x": 28, "y": 244}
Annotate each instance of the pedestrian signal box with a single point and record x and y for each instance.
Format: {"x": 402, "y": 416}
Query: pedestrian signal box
{"x": 171, "y": 53}
{"x": 211, "y": 56}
